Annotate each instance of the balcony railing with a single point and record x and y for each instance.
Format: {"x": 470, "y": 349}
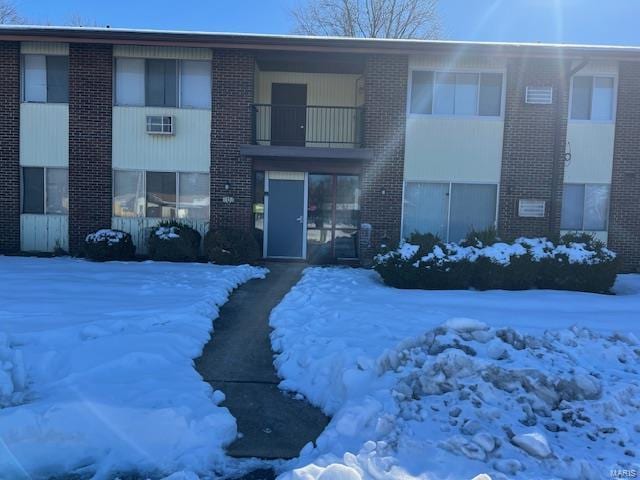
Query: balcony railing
{"x": 310, "y": 126}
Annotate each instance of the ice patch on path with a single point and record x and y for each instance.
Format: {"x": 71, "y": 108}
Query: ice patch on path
{"x": 108, "y": 353}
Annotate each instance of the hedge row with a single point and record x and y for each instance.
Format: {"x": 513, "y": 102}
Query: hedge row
{"x": 176, "y": 242}
{"x": 578, "y": 262}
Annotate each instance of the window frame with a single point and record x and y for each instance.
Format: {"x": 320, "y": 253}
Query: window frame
{"x": 449, "y": 184}
{"x": 614, "y": 99}
{"x": 584, "y": 206}
{"x": 23, "y": 78}
{"x": 178, "y": 82}
{"x": 44, "y": 191}
{"x": 454, "y": 71}
{"x": 177, "y": 174}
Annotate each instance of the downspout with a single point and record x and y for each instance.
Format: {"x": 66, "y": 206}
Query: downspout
{"x": 559, "y": 146}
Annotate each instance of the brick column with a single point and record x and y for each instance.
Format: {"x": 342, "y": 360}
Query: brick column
{"x": 384, "y": 132}
{"x": 9, "y": 147}
{"x": 530, "y": 166}
{"x": 624, "y": 217}
{"x": 232, "y": 95}
{"x": 90, "y": 107}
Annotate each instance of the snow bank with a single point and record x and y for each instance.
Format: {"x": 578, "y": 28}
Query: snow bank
{"x": 500, "y": 384}
{"x": 107, "y": 351}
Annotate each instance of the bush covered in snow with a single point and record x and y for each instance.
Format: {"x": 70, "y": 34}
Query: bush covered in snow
{"x": 174, "y": 241}
{"x": 104, "y": 245}
{"x": 228, "y": 246}
{"x": 578, "y": 262}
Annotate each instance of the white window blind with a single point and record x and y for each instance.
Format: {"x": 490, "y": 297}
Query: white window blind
{"x": 195, "y": 84}
{"x": 35, "y": 78}
{"x": 585, "y": 207}
{"x": 130, "y": 81}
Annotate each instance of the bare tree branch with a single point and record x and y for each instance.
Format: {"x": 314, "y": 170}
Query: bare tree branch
{"x": 368, "y": 18}
{"x": 9, "y": 14}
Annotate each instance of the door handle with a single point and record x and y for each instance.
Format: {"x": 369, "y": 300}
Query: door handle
{"x": 300, "y": 219}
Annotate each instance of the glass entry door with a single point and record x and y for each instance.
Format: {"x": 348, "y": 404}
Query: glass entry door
{"x": 333, "y": 217}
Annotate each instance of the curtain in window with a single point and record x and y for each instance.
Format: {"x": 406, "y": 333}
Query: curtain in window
{"x": 472, "y": 207}
{"x": 33, "y": 190}
{"x": 602, "y": 106}
{"x": 128, "y": 193}
{"x": 426, "y": 208}
{"x": 58, "y": 79}
{"x": 57, "y": 191}
{"x": 195, "y": 85}
{"x": 130, "y": 81}
{"x": 194, "y": 196}
{"x": 596, "y": 207}
{"x": 35, "y": 78}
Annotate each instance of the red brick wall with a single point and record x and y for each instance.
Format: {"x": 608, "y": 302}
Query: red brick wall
{"x": 232, "y": 95}
{"x": 9, "y": 147}
{"x": 90, "y": 106}
{"x": 384, "y": 132}
{"x": 624, "y": 218}
{"x": 528, "y": 166}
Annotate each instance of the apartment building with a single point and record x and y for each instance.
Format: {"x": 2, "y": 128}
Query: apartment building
{"x": 326, "y": 147}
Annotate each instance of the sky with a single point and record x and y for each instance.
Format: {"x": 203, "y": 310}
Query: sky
{"x": 612, "y": 22}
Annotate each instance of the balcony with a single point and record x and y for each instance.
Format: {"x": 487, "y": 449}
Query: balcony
{"x": 308, "y": 126}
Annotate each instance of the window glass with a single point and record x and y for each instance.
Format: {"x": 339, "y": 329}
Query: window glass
{"x": 128, "y": 193}
{"x": 130, "y": 81}
{"x": 602, "y": 106}
{"x": 490, "y": 94}
{"x": 195, "y": 84}
{"x": 596, "y": 207}
{"x": 33, "y": 190}
{"x": 426, "y": 208}
{"x": 57, "y": 190}
{"x": 194, "y": 196}
{"x": 320, "y": 202}
{"x": 161, "y": 83}
{"x": 258, "y": 201}
{"x": 571, "y": 217}
{"x": 347, "y": 201}
{"x": 161, "y": 194}
{"x": 445, "y": 92}
{"x": 35, "y": 78}
{"x": 472, "y": 207}
{"x": 466, "y": 93}
{"x": 581, "y": 98}
{"x": 422, "y": 92}
{"x": 57, "y": 79}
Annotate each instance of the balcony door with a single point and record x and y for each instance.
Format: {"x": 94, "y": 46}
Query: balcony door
{"x": 288, "y": 114}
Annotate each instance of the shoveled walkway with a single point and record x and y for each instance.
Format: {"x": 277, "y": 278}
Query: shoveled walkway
{"x": 238, "y": 360}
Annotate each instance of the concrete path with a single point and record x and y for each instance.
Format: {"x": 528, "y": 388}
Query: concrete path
{"x": 239, "y": 361}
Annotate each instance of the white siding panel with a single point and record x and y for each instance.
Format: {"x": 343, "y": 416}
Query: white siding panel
{"x": 322, "y": 88}
{"x": 142, "y": 51}
{"x": 44, "y": 48}
{"x": 448, "y": 63}
{"x": 44, "y": 134}
{"x": 139, "y": 228}
{"x": 188, "y": 150}
{"x": 453, "y": 149}
{"x": 44, "y": 233}
{"x": 591, "y": 146}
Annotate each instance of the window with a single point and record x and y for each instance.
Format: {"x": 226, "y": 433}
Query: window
{"x": 182, "y": 195}
{"x": 465, "y": 94}
{"x": 45, "y": 78}
{"x": 156, "y": 83}
{"x": 449, "y": 211}
{"x": 585, "y": 207}
{"x": 45, "y": 190}
{"x": 592, "y": 98}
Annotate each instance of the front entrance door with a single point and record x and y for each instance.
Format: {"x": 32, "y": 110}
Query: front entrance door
{"x": 285, "y": 206}
{"x": 288, "y": 114}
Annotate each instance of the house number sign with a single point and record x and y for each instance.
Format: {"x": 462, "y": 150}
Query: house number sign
{"x": 228, "y": 199}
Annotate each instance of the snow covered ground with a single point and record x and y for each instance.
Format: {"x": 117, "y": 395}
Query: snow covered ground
{"x": 455, "y": 384}
{"x": 96, "y": 370}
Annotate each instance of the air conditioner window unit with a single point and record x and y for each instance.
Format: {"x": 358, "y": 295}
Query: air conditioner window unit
{"x": 160, "y": 125}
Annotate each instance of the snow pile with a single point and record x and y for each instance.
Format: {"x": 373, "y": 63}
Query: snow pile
{"x": 500, "y": 384}
{"x": 106, "y": 235}
{"x": 167, "y": 233}
{"x": 12, "y": 375}
{"x": 108, "y": 352}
